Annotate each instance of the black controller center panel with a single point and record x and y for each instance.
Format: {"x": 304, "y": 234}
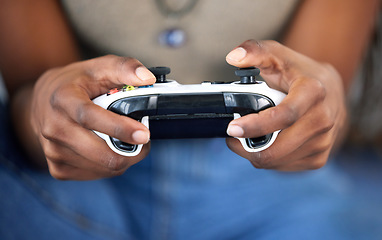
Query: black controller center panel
{"x": 190, "y": 115}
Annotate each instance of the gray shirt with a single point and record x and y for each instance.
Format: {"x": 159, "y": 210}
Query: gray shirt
{"x": 212, "y": 29}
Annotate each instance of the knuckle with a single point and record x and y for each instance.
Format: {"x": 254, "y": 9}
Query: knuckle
{"x": 319, "y": 158}
{"x": 324, "y": 144}
{"x": 59, "y": 176}
{"x": 58, "y": 172}
{"x": 321, "y": 148}
{"x": 50, "y": 132}
{"x": 127, "y": 62}
{"x": 328, "y": 70}
{"x": 118, "y": 62}
{"x": 291, "y": 116}
{"x": 83, "y": 113}
{"x": 255, "y": 130}
{"x": 124, "y": 60}
{"x": 271, "y": 43}
{"x": 288, "y": 114}
{"x": 319, "y": 90}
{"x": 254, "y": 42}
{"x": 109, "y": 57}
{"x": 325, "y": 123}
{"x": 117, "y": 173}
{"x": 252, "y": 45}
{"x": 120, "y": 130}
{"x": 79, "y": 81}
{"x": 59, "y": 95}
{"x": 317, "y": 164}
{"x": 115, "y": 164}
{"x": 125, "y": 66}
{"x": 51, "y": 154}
{"x": 45, "y": 76}
{"x": 262, "y": 159}
{"x": 261, "y": 44}
{"x": 56, "y": 97}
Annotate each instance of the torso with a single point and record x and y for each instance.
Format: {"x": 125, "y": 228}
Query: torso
{"x": 213, "y": 28}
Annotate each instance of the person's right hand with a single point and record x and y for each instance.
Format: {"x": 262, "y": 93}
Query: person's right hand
{"x": 312, "y": 116}
{"x": 63, "y": 117}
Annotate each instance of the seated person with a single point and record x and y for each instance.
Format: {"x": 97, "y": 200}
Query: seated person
{"x": 178, "y": 189}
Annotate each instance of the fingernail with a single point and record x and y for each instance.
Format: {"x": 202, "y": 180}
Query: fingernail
{"x": 144, "y": 74}
{"x": 235, "y": 131}
{"x": 237, "y": 54}
{"x": 141, "y": 137}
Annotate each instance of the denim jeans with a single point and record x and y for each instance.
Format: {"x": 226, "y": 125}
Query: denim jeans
{"x": 185, "y": 189}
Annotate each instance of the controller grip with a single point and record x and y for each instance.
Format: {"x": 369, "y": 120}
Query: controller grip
{"x": 122, "y": 148}
{"x": 257, "y": 144}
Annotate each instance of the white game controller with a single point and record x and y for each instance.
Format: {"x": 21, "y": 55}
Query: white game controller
{"x": 172, "y": 111}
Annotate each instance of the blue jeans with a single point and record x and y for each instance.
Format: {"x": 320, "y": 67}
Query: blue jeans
{"x": 185, "y": 189}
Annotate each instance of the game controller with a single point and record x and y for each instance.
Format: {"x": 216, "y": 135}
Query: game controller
{"x": 173, "y": 111}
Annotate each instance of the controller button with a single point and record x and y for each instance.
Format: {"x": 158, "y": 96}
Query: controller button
{"x": 147, "y": 86}
{"x": 127, "y": 88}
{"x": 112, "y": 91}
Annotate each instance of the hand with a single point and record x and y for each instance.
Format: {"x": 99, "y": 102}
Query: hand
{"x": 63, "y": 117}
{"x": 311, "y": 116}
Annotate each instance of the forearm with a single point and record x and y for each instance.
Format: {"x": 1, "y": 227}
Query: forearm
{"x": 35, "y": 37}
{"x": 336, "y": 32}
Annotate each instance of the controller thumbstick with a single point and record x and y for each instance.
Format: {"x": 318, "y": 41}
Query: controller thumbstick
{"x": 160, "y": 73}
{"x": 247, "y": 75}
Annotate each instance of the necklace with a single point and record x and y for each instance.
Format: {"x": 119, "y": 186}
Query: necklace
{"x": 173, "y": 36}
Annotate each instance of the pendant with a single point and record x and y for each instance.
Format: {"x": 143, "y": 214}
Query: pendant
{"x": 172, "y": 37}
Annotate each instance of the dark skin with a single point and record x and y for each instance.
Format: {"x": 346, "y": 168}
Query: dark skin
{"x": 52, "y": 89}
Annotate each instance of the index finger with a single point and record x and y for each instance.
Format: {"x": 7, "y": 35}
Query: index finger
{"x": 304, "y": 93}
{"x": 83, "y": 111}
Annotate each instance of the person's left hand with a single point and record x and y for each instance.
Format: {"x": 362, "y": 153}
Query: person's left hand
{"x": 311, "y": 116}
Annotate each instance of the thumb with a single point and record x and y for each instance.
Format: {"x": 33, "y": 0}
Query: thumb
{"x": 111, "y": 71}
{"x": 276, "y": 62}
{"x": 262, "y": 54}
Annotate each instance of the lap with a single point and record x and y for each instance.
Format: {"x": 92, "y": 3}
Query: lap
{"x": 193, "y": 189}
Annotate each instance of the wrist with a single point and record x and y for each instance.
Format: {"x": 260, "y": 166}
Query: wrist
{"x": 21, "y": 119}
